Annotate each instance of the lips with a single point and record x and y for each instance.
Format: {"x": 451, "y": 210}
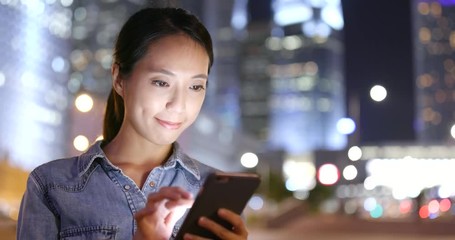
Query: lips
{"x": 169, "y": 125}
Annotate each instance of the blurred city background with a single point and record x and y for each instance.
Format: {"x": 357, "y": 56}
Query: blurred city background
{"x": 345, "y": 108}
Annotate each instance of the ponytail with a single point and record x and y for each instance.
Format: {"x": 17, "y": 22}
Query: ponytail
{"x": 113, "y": 117}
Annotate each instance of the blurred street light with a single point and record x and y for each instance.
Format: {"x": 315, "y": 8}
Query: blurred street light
{"x": 378, "y": 93}
{"x": 249, "y": 160}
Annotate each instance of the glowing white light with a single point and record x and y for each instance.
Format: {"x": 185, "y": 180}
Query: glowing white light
{"x": 66, "y": 3}
{"x": 446, "y": 190}
{"x": 249, "y": 160}
{"x": 354, "y": 153}
{"x": 300, "y": 175}
{"x": 350, "y": 172}
{"x": 301, "y": 194}
{"x": 291, "y": 12}
{"x": 100, "y": 137}
{"x": 328, "y": 174}
{"x": 378, "y": 93}
{"x": 84, "y": 103}
{"x": 316, "y": 28}
{"x": 407, "y": 177}
{"x": 239, "y": 15}
{"x": 369, "y": 204}
{"x": 81, "y": 143}
{"x": 369, "y": 183}
{"x": 317, "y": 3}
{"x": 345, "y": 126}
{"x": 452, "y": 131}
{"x": 273, "y": 43}
{"x": 333, "y": 16}
{"x": 256, "y": 202}
{"x": 58, "y": 64}
{"x": 292, "y": 42}
{"x": 2, "y": 79}
{"x": 299, "y": 184}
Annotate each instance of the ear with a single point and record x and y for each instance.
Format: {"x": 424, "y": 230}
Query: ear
{"x": 117, "y": 81}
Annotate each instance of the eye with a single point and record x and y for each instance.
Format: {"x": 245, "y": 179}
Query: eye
{"x": 197, "y": 88}
{"x": 160, "y": 83}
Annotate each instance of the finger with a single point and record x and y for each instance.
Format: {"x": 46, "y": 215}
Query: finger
{"x": 144, "y": 212}
{"x": 217, "y": 229}
{"x": 189, "y": 236}
{"x": 238, "y": 225}
{"x": 176, "y": 190}
{"x": 168, "y": 193}
{"x": 186, "y": 203}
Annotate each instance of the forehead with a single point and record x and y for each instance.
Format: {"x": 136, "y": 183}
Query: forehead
{"x": 175, "y": 42}
{"x": 176, "y": 48}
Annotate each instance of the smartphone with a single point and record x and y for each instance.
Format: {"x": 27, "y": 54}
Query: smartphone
{"x": 220, "y": 190}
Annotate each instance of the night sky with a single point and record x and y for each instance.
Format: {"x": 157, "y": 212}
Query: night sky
{"x": 378, "y": 44}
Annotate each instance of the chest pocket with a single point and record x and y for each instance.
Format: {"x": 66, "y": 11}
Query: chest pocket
{"x": 91, "y": 232}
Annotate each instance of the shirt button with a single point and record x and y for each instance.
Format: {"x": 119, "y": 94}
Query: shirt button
{"x": 152, "y": 184}
{"x": 126, "y": 187}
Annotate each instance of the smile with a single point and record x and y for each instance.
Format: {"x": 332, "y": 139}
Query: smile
{"x": 169, "y": 125}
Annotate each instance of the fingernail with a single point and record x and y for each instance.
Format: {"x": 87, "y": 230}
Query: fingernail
{"x": 221, "y": 211}
{"x": 187, "y": 236}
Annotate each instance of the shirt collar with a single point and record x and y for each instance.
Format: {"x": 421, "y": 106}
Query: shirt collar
{"x": 178, "y": 157}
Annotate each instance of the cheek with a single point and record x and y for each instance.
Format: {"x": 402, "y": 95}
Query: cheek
{"x": 195, "y": 106}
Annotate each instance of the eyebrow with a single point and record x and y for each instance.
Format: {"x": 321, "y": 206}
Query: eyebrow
{"x": 166, "y": 72}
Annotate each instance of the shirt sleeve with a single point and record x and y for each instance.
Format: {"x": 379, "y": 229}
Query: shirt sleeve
{"x": 36, "y": 220}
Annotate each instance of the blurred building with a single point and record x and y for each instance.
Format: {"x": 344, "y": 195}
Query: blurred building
{"x": 434, "y": 41}
{"x": 33, "y": 81}
{"x": 292, "y": 76}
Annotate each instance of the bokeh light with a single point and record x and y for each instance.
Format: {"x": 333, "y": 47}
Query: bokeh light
{"x": 249, "y": 160}
{"x": 328, "y": 174}
{"x": 452, "y": 131}
{"x": 346, "y": 126}
{"x": 81, "y": 143}
{"x": 354, "y": 153}
{"x": 378, "y": 93}
{"x": 84, "y": 103}
{"x": 256, "y": 202}
{"x": 350, "y": 172}
{"x": 445, "y": 205}
{"x": 423, "y": 212}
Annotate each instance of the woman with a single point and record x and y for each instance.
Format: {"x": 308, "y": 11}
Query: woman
{"x": 136, "y": 183}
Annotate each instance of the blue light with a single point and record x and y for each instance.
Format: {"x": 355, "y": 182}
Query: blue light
{"x": 346, "y": 126}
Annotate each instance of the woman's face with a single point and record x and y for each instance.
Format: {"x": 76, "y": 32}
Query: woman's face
{"x": 166, "y": 89}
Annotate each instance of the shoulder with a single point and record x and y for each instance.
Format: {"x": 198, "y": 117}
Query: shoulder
{"x": 55, "y": 170}
{"x": 66, "y": 169}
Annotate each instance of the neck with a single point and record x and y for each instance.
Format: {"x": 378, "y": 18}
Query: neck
{"x": 134, "y": 151}
{"x": 136, "y": 157}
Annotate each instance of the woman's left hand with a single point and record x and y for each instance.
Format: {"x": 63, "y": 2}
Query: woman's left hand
{"x": 238, "y": 231}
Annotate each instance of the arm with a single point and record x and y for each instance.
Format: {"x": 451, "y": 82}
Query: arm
{"x": 36, "y": 220}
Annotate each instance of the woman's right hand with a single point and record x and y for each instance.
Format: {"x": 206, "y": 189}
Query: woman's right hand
{"x": 163, "y": 209}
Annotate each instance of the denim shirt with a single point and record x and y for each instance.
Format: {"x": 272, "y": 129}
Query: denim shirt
{"x": 87, "y": 197}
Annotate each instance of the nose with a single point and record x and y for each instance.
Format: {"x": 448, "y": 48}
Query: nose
{"x": 177, "y": 101}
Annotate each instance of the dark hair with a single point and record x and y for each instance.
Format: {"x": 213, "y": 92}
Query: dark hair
{"x": 141, "y": 29}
